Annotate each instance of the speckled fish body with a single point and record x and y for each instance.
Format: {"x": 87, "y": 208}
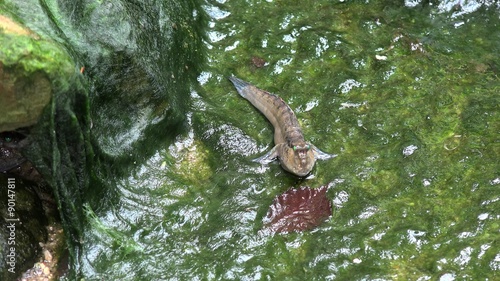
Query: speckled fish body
{"x": 295, "y": 154}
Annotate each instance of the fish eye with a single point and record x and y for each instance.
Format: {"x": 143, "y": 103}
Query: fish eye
{"x": 308, "y": 147}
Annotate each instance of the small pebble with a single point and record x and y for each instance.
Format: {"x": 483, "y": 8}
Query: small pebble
{"x": 46, "y": 271}
{"x": 47, "y": 256}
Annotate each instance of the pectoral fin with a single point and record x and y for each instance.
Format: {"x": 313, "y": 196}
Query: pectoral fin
{"x": 268, "y": 157}
{"x": 318, "y": 154}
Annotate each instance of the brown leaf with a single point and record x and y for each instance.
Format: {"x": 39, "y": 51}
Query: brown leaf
{"x": 298, "y": 210}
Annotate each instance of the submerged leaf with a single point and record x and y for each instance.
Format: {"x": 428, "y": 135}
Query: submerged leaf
{"x": 298, "y": 210}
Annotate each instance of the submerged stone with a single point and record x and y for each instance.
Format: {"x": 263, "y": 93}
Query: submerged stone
{"x": 298, "y": 210}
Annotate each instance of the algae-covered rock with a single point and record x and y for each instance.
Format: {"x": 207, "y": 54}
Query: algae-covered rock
{"x": 28, "y": 67}
{"x": 37, "y": 86}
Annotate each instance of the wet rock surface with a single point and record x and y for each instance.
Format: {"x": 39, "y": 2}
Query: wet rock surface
{"x": 11, "y": 159}
{"x": 32, "y": 238}
{"x": 22, "y": 226}
{"x": 27, "y": 206}
{"x": 10, "y": 156}
{"x": 47, "y": 266}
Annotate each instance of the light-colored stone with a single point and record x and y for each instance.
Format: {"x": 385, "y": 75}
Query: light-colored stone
{"x": 47, "y": 256}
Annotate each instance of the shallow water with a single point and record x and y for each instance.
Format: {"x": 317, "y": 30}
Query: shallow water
{"x": 408, "y": 98}
{"x": 406, "y": 95}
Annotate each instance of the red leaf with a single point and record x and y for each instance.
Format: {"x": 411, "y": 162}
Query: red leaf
{"x": 298, "y": 210}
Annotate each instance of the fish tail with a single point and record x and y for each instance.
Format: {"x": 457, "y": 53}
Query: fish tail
{"x": 240, "y": 85}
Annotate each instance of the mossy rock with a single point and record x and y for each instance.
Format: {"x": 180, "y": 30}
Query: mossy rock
{"x": 30, "y": 70}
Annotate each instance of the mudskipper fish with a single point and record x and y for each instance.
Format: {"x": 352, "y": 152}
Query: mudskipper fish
{"x": 294, "y": 154}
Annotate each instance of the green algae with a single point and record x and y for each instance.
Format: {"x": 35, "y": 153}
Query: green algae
{"x": 31, "y": 55}
{"x": 410, "y": 112}
{"x": 415, "y": 180}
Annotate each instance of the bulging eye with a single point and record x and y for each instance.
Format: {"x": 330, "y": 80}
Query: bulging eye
{"x": 294, "y": 148}
{"x": 308, "y": 147}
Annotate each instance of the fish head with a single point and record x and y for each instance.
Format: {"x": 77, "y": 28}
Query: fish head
{"x": 298, "y": 159}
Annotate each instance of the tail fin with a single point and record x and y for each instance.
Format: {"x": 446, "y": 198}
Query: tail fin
{"x": 239, "y": 85}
